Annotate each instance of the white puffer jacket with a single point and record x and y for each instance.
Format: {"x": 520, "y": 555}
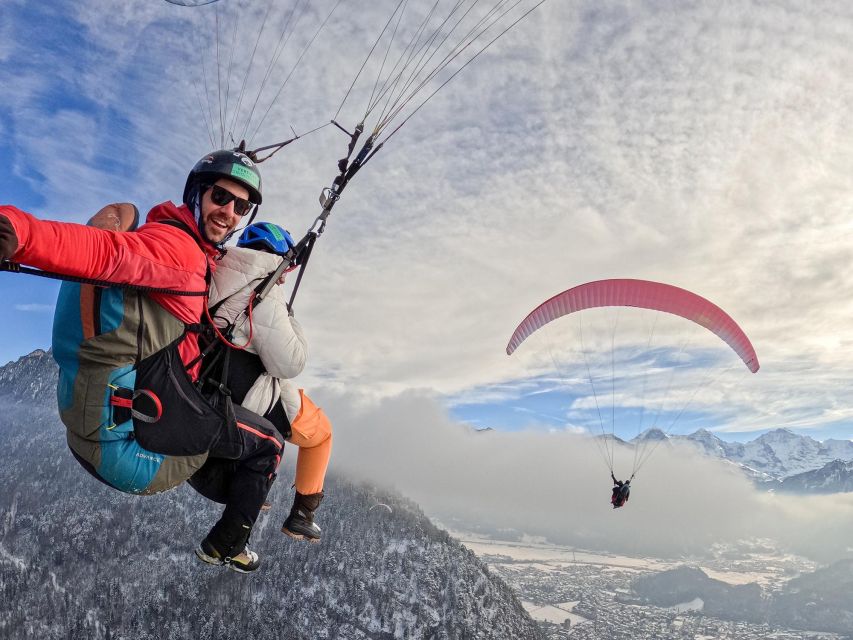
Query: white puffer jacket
{"x": 277, "y": 336}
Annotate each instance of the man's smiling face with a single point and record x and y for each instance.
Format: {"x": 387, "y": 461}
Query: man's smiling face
{"x": 220, "y": 220}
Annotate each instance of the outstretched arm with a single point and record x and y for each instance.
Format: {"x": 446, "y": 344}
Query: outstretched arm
{"x": 154, "y": 256}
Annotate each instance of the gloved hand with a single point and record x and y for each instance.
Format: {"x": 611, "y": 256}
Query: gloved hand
{"x": 8, "y": 239}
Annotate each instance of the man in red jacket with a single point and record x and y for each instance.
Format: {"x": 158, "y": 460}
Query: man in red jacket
{"x": 112, "y": 345}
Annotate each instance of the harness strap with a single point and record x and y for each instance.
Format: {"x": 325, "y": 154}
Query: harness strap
{"x": 14, "y": 267}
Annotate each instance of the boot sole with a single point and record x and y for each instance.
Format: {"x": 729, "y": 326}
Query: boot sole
{"x": 299, "y": 536}
{"x": 240, "y": 569}
{"x": 201, "y": 555}
{"x": 216, "y": 562}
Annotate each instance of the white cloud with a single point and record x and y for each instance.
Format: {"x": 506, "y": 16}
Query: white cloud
{"x": 37, "y": 308}
{"x": 699, "y": 145}
{"x": 557, "y": 485}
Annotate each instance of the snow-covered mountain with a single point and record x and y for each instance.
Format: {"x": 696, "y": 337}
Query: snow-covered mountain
{"x": 773, "y": 458}
{"x": 651, "y": 435}
{"x": 839, "y": 449}
{"x": 709, "y": 443}
{"x": 782, "y": 453}
{"x": 29, "y": 378}
{"x": 80, "y": 560}
{"x": 834, "y": 477}
{"x": 774, "y": 455}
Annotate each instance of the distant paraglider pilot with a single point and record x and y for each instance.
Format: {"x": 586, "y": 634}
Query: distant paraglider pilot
{"x": 621, "y": 491}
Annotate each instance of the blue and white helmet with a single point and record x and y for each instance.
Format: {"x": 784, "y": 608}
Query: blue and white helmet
{"x": 266, "y": 236}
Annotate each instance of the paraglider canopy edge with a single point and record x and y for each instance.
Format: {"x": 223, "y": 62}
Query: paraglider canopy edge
{"x": 644, "y": 294}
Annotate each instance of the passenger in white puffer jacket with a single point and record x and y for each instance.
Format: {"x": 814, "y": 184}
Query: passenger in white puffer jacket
{"x": 277, "y": 337}
{"x": 278, "y": 341}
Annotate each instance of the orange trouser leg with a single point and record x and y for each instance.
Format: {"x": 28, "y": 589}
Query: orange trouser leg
{"x": 312, "y": 433}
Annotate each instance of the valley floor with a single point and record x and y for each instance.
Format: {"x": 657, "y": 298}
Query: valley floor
{"x": 575, "y": 594}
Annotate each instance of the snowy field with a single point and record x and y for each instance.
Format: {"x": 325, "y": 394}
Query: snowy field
{"x": 534, "y": 560}
{"x": 765, "y": 569}
{"x": 556, "y": 613}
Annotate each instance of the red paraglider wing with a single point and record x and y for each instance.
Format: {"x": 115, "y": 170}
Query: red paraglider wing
{"x": 643, "y": 294}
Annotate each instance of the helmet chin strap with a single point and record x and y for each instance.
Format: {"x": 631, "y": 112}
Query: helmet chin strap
{"x": 195, "y": 207}
{"x": 194, "y": 204}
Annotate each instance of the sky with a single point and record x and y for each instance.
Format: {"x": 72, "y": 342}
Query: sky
{"x": 700, "y": 144}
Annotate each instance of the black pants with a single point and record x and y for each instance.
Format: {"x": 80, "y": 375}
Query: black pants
{"x": 239, "y": 472}
{"x": 241, "y": 465}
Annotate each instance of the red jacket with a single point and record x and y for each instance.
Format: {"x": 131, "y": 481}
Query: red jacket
{"x": 155, "y": 255}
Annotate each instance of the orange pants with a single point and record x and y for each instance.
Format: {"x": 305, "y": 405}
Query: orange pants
{"x": 312, "y": 433}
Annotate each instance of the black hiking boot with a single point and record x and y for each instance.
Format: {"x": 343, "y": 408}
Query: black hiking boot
{"x": 244, "y": 562}
{"x": 300, "y": 523}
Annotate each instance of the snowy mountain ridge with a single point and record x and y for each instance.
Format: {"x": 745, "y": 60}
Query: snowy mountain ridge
{"x": 771, "y": 457}
{"x": 779, "y": 453}
{"x": 834, "y": 477}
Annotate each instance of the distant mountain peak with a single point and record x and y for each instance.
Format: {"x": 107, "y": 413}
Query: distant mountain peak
{"x": 651, "y": 434}
{"x": 780, "y": 434}
{"x": 704, "y": 434}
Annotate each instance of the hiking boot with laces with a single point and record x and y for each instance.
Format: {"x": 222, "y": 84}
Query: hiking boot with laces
{"x": 244, "y": 562}
{"x": 300, "y": 523}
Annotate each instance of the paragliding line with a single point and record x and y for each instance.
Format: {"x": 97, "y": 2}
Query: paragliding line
{"x": 609, "y": 456}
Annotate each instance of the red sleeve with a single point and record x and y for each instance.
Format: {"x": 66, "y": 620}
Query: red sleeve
{"x": 156, "y": 255}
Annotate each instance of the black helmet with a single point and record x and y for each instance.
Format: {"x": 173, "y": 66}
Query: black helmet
{"x": 225, "y": 163}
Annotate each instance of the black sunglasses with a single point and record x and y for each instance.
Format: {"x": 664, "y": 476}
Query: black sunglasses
{"x": 221, "y": 196}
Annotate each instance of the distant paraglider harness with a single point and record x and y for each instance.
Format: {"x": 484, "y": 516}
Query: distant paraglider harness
{"x": 621, "y": 490}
